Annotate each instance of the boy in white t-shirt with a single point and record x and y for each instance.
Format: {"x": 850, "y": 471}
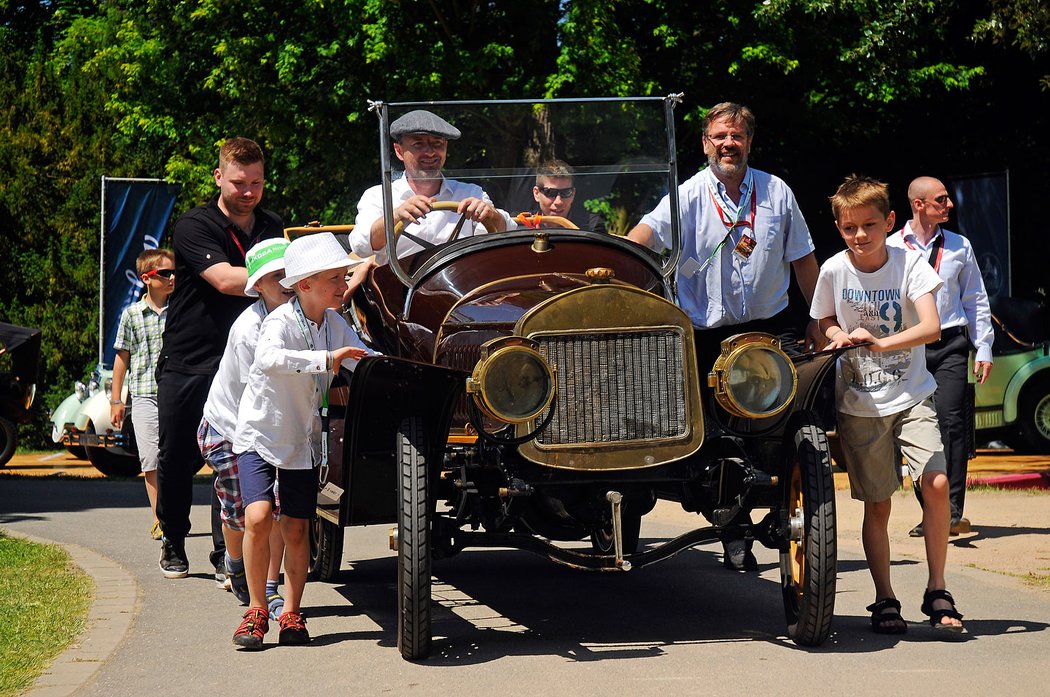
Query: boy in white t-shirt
{"x": 881, "y": 299}
{"x": 265, "y": 263}
{"x": 280, "y": 424}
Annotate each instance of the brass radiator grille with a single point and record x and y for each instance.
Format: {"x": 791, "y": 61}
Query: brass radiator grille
{"x": 616, "y": 386}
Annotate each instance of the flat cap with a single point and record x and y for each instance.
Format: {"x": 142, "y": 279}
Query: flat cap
{"x": 422, "y": 121}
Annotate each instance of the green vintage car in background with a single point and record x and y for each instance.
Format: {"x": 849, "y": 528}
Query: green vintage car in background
{"x": 1014, "y": 404}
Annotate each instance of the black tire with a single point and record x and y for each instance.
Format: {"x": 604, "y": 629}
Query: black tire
{"x": 326, "y": 550}
{"x": 8, "y": 440}
{"x": 1033, "y": 418}
{"x": 602, "y": 540}
{"x": 77, "y": 451}
{"x": 807, "y": 568}
{"x": 113, "y": 464}
{"x": 413, "y": 548}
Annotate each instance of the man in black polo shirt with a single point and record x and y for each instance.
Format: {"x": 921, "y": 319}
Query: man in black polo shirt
{"x": 209, "y": 242}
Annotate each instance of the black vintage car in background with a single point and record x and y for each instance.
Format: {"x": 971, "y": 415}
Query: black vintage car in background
{"x": 539, "y": 388}
{"x": 19, "y": 363}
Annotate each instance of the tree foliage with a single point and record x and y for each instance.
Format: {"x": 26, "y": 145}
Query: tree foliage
{"x": 150, "y": 88}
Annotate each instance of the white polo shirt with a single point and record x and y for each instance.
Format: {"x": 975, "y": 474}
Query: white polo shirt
{"x": 435, "y": 226}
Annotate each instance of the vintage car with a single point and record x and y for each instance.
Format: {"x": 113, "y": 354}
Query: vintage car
{"x": 81, "y": 423}
{"x": 19, "y": 362}
{"x": 539, "y": 388}
{"x": 1014, "y": 403}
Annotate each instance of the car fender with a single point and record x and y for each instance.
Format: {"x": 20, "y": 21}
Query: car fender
{"x": 64, "y": 413}
{"x": 1013, "y": 391}
{"x": 96, "y": 410}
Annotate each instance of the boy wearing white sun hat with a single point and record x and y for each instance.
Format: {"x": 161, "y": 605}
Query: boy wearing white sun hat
{"x": 281, "y": 423}
{"x": 265, "y": 263}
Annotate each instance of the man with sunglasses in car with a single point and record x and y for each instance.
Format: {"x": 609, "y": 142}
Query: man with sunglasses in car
{"x": 742, "y": 237}
{"x": 966, "y": 323}
{"x": 555, "y": 192}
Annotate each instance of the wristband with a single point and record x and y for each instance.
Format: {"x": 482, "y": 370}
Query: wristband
{"x": 115, "y": 402}
{"x": 838, "y": 330}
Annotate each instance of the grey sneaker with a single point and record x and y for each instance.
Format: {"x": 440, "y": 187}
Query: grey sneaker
{"x": 222, "y": 577}
{"x": 173, "y": 562}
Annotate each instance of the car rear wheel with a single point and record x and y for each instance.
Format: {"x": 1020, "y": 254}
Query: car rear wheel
{"x": 808, "y": 565}
{"x": 1034, "y": 417}
{"x": 413, "y": 547}
{"x": 326, "y": 550}
{"x": 8, "y": 440}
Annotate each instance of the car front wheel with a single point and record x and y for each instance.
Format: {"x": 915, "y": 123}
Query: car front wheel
{"x": 808, "y": 565}
{"x": 413, "y": 547}
{"x": 1034, "y": 417}
{"x": 326, "y": 550}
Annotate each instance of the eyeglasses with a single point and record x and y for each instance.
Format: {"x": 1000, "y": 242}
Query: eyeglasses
{"x": 551, "y": 192}
{"x": 940, "y": 200}
{"x": 163, "y": 273}
{"x": 737, "y": 138}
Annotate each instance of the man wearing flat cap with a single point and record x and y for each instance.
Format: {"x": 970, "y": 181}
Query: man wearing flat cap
{"x": 421, "y": 142}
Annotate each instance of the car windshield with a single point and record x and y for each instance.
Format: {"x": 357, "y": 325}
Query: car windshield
{"x": 600, "y": 164}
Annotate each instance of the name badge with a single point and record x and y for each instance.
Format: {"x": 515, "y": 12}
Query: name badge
{"x": 745, "y": 246}
{"x": 689, "y": 267}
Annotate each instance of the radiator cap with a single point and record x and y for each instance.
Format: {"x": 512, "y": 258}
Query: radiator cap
{"x": 600, "y": 274}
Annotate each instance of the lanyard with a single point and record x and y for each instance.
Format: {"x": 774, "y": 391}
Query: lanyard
{"x": 747, "y": 202}
{"x": 233, "y": 236}
{"x": 322, "y": 381}
{"x": 936, "y": 251}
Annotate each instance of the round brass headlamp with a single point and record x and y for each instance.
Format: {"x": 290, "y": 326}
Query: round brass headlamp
{"x": 753, "y": 378}
{"x": 512, "y": 382}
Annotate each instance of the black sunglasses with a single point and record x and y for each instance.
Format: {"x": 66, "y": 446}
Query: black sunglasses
{"x": 551, "y": 192}
{"x": 163, "y": 273}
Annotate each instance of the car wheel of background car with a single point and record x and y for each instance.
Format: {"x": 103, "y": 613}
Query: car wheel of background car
{"x": 808, "y": 565}
{"x": 77, "y": 451}
{"x": 602, "y": 540}
{"x": 1033, "y": 417}
{"x": 413, "y": 548}
{"x": 8, "y": 440}
{"x": 326, "y": 550}
{"x": 110, "y": 463}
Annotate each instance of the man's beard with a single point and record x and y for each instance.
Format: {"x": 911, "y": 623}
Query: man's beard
{"x": 728, "y": 170}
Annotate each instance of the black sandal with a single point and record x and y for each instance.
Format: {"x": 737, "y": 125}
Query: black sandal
{"x": 936, "y": 616}
{"x": 887, "y": 610}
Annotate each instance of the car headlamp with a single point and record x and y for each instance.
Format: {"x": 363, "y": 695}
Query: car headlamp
{"x": 81, "y": 391}
{"x": 753, "y": 378}
{"x": 512, "y": 382}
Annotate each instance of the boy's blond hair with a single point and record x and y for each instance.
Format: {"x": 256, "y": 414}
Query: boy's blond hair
{"x": 151, "y": 258}
{"x": 860, "y": 190}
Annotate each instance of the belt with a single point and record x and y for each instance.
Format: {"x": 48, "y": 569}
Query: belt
{"x": 952, "y": 332}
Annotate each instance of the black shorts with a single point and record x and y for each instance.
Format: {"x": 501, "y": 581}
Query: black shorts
{"x": 298, "y": 487}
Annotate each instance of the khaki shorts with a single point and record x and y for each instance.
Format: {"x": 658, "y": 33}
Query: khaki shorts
{"x": 868, "y": 447}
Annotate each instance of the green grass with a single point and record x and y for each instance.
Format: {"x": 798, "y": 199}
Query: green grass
{"x": 44, "y": 601}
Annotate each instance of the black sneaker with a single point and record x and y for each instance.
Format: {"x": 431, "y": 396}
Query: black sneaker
{"x": 173, "y": 562}
{"x": 293, "y": 629}
{"x": 916, "y": 531}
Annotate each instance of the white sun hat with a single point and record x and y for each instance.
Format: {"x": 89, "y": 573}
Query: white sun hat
{"x": 263, "y": 258}
{"x": 312, "y": 254}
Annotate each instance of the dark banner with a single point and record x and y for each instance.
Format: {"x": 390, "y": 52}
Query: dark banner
{"x": 982, "y": 213}
{"x": 134, "y": 216}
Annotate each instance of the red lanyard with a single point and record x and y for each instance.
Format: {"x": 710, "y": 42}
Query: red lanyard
{"x": 936, "y": 252}
{"x": 237, "y": 242}
{"x": 729, "y": 223}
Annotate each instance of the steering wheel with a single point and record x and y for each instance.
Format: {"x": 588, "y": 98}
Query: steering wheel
{"x": 535, "y": 220}
{"x": 399, "y": 226}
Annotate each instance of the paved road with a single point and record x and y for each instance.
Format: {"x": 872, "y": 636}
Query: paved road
{"x": 508, "y": 622}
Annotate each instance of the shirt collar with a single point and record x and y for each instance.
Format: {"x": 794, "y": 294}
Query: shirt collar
{"x": 909, "y": 234}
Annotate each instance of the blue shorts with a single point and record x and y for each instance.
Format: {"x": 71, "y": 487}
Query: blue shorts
{"x": 298, "y": 487}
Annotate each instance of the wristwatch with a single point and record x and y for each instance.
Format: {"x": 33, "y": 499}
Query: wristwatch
{"x": 116, "y": 401}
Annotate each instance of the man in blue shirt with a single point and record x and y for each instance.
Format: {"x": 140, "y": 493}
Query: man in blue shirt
{"x": 742, "y": 236}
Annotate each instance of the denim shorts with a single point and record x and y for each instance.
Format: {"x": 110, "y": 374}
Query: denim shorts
{"x": 259, "y": 480}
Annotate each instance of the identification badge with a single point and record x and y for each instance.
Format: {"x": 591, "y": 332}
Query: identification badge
{"x": 689, "y": 267}
{"x": 745, "y": 246}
